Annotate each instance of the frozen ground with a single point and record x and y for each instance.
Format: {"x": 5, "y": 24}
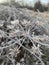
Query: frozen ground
{"x": 24, "y": 37}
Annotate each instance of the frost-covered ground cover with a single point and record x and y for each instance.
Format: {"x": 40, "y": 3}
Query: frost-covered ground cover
{"x": 24, "y": 39}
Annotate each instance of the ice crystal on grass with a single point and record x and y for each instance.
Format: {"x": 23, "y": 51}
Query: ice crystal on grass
{"x": 21, "y": 37}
